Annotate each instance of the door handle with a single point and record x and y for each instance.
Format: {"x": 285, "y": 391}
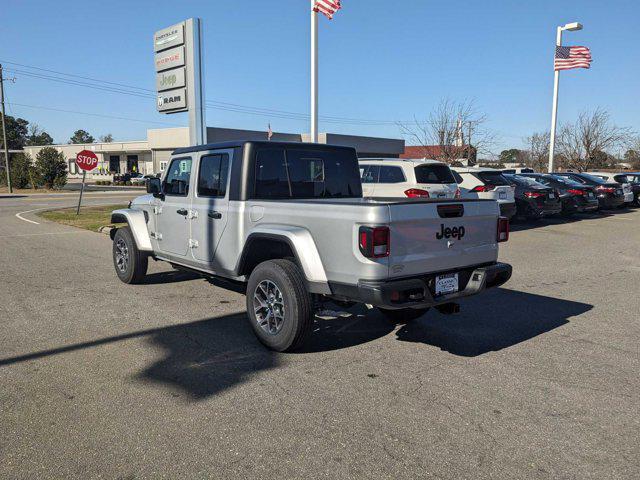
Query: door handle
{"x": 215, "y": 215}
{"x": 182, "y": 211}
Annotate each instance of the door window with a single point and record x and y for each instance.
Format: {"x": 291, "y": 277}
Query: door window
{"x": 391, "y": 175}
{"x": 370, "y": 174}
{"x": 177, "y": 180}
{"x": 212, "y": 176}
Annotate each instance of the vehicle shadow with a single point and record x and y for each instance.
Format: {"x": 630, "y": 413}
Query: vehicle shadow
{"x": 520, "y": 225}
{"x": 495, "y": 320}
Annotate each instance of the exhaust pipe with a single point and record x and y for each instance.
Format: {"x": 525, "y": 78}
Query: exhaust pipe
{"x": 448, "y": 308}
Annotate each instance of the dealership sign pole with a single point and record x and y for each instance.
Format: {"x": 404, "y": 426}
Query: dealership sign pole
{"x": 86, "y": 160}
{"x": 179, "y": 74}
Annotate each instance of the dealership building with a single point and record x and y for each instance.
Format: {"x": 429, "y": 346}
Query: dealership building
{"x": 152, "y": 155}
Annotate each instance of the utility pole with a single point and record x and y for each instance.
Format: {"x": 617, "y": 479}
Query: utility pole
{"x": 4, "y": 132}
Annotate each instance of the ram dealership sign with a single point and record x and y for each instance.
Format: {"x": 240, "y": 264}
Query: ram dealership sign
{"x": 178, "y": 64}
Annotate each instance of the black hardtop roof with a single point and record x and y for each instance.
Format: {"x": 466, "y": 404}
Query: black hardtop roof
{"x": 242, "y": 143}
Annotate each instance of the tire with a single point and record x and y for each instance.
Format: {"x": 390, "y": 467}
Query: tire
{"x": 279, "y": 307}
{"x": 637, "y": 200}
{"x": 130, "y": 263}
{"x": 404, "y": 315}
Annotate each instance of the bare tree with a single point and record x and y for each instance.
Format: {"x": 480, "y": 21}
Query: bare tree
{"x": 538, "y": 151}
{"x": 583, "y": 144}
{"x": 107, "y": 138}
{"x": 456, "y": 128}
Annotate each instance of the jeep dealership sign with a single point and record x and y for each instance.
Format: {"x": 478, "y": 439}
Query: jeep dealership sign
{"x": 178, "y": 64}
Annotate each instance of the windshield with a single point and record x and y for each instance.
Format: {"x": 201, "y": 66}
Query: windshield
{"x": 434, "y": 174}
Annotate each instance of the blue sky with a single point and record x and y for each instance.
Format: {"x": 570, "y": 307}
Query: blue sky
{"x": 378, "y": 60}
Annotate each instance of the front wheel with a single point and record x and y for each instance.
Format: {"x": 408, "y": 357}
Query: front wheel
{"x": 403, "y": 315}
{"x": 130, "y": 263}
{"x": 278, "y": 305}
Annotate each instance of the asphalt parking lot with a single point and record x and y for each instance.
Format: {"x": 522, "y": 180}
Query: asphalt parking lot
{"x": 538, "y": 379}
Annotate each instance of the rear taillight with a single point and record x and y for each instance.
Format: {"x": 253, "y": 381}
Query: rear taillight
{"x": 458, "y": 194}
{"x": 533, "y": 194}
{"x": 574, "y": 191}
{"x": 606, "y": 189}
{"x": 374, "y": 241}
{"x": 416, "y": 193}
{"x": 483, "y": 188}
{"x": 503, "y": 229}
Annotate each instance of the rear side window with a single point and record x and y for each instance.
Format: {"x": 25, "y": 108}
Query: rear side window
{"x": 621, "y": 179}
{"x": 391, "y": 175}
{"x": 177, "y": 180}
{"x": 457, "y": 176}
{"x": 213, "y": 174}
{"x": 299, "y": 173}
{"x": 434, "y": 174}
{"x": 370, "y": 173}
{"x": 493, "y": 178}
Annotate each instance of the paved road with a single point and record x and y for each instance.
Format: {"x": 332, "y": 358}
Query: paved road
{"x": 165, "y": 380}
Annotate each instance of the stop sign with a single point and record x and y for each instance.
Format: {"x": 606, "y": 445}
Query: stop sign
{"x": 86, "y": 160}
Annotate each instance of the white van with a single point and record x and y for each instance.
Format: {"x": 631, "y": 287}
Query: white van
{"x": 393, "y": 177}
{"x": 486, "y": 183}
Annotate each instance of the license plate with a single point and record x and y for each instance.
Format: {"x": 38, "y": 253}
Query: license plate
{"x": 552, "y": 195}
{"x": 619, "y": 192}
{"x": 442, "y": 195}
{"x": 446, "y": 283}
{"x": 502, "y": 195}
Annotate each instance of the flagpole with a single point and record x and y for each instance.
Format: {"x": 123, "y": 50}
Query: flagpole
{"x": 554, "y": 109}
{"x": 314, "y": 74}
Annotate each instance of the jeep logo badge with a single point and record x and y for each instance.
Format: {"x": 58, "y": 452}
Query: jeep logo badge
{"x": 450, "y": 232}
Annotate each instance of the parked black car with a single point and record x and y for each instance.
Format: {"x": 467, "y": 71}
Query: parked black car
{"x": 534, "y": 200}
{"x": 574, "y": 196}
{"x": 610, "y": 195}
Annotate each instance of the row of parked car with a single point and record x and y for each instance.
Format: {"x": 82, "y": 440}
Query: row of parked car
{"x": 520, "y": 193}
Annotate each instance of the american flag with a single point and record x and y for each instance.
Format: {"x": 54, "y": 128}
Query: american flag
{"x": 572, "y": 57}
{"x": 327, "y": 7}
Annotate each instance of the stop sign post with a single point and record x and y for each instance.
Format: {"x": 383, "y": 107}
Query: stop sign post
{"x": 86, "y": 161}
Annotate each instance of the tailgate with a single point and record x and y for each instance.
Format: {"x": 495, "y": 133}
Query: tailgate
{"x": 431, "y": 237}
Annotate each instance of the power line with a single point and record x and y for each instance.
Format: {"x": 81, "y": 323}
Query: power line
{"x": 92, "y": 114}
{"x": 115, "y": 87}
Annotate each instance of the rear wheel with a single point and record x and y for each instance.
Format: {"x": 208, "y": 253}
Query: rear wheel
{"x": 403, "y": 315}
{"x": 130, "y": 263}
{"x": 278, "y": 305}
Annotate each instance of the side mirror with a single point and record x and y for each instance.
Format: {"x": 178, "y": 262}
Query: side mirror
{"x": 154, "y": 187}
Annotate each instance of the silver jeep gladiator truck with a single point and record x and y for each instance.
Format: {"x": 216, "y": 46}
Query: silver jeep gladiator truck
{"x": 288, "y": 224}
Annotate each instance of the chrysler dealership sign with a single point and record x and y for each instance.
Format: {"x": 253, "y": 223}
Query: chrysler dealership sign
{"x": 178, "y": 60}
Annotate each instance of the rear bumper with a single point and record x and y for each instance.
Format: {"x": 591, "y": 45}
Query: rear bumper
{"x": 611, "y": 202}
{"x": 507, "y": 210}
{"x": 418, "y": 292}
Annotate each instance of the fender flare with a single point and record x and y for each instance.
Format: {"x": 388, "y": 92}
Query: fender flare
{"x": 138, "y": 225}
{"x": 303, "y": 247}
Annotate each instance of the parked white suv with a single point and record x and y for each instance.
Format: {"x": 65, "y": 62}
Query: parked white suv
{"x": 486, "y": 183}
{"x": 393, "y": 177}
{"x": 617, "y": 178}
